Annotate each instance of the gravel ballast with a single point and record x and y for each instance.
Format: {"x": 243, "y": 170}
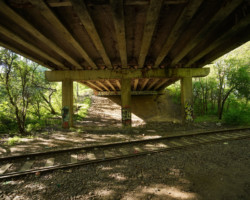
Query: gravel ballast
{"x": 214, "y": 171}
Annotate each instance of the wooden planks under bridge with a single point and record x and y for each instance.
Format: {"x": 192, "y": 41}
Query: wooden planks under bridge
{"x": 144, "y": 44}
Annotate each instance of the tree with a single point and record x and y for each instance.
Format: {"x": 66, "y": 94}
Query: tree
{"x": 17, "y": 77}
{"x": 46, "y": 91}
{"x": 233, "y": 76}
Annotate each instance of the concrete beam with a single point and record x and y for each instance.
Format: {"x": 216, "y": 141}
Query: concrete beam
{"x": 85, "y": 75}
{"x": 153, "y": 14}
{"x": 13, "y": 15}
{"x": 119, "y": 23}
{"x": 51, "y": 17}
{"x": 81, "y": 10}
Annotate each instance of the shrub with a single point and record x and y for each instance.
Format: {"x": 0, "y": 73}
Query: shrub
{"x": 33, "y": 127}
{"x": 83, "y": 110}
{"x": 13, "y": 141}
{"x": 240, "y": 115}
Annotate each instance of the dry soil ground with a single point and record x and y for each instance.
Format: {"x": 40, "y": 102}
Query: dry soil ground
{"x": 216, "y": 171}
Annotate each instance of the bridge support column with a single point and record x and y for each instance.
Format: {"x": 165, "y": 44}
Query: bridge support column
{"x": 187, "y": 99}
{"x": 67, "y": 103}
{"x": 126, "y": 102}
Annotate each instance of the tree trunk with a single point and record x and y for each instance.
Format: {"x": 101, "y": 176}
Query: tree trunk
{"x": 52, "y": 110}
{"x": 20, "y": 122}
{"x": 223, "y": 102}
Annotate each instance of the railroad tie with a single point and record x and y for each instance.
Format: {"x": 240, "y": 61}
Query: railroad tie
{"x": 4, "y": 168}
{"x": 213, "y": 137}
{"x": 137, "y": 149}
{"x": 239, "y": 134}
{"x": 109, "y": 153}
{"x": 99, "y": 154}
{"x": 73, "y": 158}
{"x": 203, "y": 139}
{"x": 124, "y": 151}
{"x": 27, "y": 165}
{"x": 175, "y": 143}
{"x": 151, "y": 147}
{"x": 187, "y": 142}
{"x": 91, "y": 156}
{"x": 162, "y": 145}
{"x": 50, "y": 162}
{"x": 222, "y": 136}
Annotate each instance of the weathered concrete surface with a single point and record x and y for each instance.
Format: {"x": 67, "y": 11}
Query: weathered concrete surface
{"x": 126, "y": 102}
{"x": 80, "y": 75}
{"x": 187, "y": 99}
{"x": 153, "y": 108}
{"x": 67, "y": 103}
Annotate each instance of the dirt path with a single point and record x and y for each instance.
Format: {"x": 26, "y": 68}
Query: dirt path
{"x": 104, "y": 112}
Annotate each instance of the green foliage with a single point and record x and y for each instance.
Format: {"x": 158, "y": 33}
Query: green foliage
{"x": 238, "y": 115}
{"x": 175, "y": 92}
{"x": 225, "y": 91}
{"x": 33, "y": 127}
{"x": 83, "y": 109}
{"x": 13, "y": 141}
{"x": 240, "y": 78}
{"x": 28, "y": 102}
{"x": 7, "y": 118}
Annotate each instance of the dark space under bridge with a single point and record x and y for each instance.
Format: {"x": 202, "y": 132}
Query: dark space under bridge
{"x": 124, "y": 47}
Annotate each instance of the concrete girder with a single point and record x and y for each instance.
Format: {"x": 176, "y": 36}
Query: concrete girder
{"x": 85, "y": 75}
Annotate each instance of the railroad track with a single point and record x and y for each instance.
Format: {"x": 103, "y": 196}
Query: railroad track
{"x": 19, "y": 165}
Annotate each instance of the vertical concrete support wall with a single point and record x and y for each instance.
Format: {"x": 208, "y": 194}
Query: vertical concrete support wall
{"x": 126, "y": 102}
{"x": 67, "y": 103}
{"x": 187, "y": 99}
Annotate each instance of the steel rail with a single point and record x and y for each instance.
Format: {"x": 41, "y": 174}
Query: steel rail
{"x": 119, "y": 143}
{"x": 87, "y": 162}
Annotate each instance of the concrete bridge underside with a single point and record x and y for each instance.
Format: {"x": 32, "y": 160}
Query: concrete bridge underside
{"x": 124, "y": 46}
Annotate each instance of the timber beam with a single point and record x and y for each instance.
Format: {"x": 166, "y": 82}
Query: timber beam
{"x": 85, "y": 75}
{"x": 133, "y": 93}
{"x": 65, "y": 3}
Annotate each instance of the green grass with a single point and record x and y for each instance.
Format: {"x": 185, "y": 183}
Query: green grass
{"x": 206, "y": 118}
